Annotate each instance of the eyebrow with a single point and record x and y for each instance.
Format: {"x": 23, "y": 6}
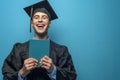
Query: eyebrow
{"x": 38, "y": 15}
{"x": 42, "y": 14}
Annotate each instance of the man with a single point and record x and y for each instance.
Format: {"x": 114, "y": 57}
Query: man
{"x": 57, "y": 66}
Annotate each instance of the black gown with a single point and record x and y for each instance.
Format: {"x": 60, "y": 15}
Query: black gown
{"x": 59, "y": 54}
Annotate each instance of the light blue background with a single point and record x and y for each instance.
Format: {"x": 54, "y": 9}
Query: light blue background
{"x": 90, "y": 29}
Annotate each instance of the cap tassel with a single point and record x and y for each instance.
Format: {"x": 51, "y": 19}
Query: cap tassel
{"x": 31, "y": 12}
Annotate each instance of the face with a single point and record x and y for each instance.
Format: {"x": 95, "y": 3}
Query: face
{"x": 40, "y": 22}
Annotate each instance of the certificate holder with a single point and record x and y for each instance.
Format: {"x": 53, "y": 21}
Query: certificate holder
{"x": 39, "y": 48}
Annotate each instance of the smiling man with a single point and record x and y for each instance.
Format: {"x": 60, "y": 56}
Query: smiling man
{"x": 57, "y": 66}
{"x": 41, "y": 23}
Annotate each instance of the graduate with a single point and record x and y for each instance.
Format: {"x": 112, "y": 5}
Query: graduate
{"x": 57, "y": 66}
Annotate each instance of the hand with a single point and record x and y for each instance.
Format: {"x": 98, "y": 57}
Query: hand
{"x": 29, "y": 64}
{"x": 47, "y": 63}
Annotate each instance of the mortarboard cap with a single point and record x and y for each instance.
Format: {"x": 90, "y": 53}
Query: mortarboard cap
{"x": 42, "y": 6}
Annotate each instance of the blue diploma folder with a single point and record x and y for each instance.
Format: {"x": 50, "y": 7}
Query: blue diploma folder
{"x": 39, "y": 48}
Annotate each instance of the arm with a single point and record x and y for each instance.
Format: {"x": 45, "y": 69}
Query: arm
{"x": 14, "y": 61}
{"x": 65, "y": 67}
{"x": 20, "y": 78}
{"x": 52, "y": 75}
{"x": 11, "y": 67}
{"x": 47, "y": 63}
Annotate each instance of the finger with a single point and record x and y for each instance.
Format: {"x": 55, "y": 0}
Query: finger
{"x": 31, "y": 66}
{"x": 46, "y": 64}
{"x": 48, "y": 60}
{"x": 33, "y": 59}
{"x": 49, "y": 69}
{"x": 30, "y": 60}
{"x": 46, "y": 67}
{"x": 46, "y": 57}
{"x": 44, "y": 60}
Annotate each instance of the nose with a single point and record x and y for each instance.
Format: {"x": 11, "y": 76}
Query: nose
{"x": 40, "y": 19}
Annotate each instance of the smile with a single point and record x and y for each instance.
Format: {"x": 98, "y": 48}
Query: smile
{"x": 40, "y": 26}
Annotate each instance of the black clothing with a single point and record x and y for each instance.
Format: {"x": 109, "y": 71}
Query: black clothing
{"x": 59, "y": 54}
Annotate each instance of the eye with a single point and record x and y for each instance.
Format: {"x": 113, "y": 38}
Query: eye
{"x": 36, "y": 17}
{"x": 45, "y": 17}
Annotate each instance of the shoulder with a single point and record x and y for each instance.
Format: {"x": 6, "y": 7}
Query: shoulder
{"x": 19, "y": 45}
{"x": 56, "y": 45}
{"x": 60, "y": 50}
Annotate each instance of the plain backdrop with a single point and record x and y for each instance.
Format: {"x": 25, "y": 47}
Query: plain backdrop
{"x": 89, "y": 28}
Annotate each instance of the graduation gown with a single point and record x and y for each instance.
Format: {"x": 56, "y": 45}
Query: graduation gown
{"x": 59, "y": 54}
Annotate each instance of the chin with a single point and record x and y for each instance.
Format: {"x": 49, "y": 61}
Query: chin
{"x": 41, "y": 33}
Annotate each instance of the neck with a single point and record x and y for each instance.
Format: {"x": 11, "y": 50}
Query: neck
{"x": 41, "y": 36}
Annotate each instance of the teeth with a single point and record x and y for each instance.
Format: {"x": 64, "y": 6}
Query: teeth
{"x": 40, "y": 25}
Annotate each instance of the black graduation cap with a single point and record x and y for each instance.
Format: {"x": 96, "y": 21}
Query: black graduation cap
{"x": 42, "y": 6}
